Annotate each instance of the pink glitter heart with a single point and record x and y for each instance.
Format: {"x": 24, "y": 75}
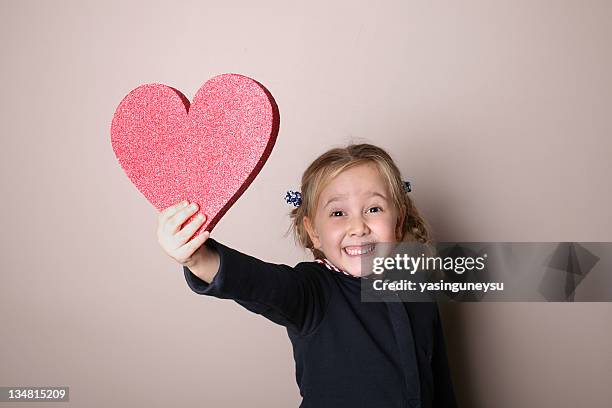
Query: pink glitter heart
{"x": 207, "y": 153}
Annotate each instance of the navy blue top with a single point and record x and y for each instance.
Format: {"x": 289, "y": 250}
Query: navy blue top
{"x": 348, "y": 353}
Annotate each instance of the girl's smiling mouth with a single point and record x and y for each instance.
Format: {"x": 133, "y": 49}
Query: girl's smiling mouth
{"x": 358, "y": 250}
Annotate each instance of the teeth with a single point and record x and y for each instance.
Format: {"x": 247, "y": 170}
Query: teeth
{"x": 360, "y": 251}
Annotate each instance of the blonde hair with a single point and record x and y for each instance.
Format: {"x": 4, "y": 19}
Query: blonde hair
{"x": 333, "y": 162}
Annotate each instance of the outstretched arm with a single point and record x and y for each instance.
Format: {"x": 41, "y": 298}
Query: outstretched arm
{"x": 293, "y": 297}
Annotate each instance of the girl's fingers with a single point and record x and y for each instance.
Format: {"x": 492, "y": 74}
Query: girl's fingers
{"x": 173, "y": 209}
{"x": 174, "y": 222}
{"x": 190, "y": 247}
{"x": 183, "y": 235}
{"x": 164, "y": 219}
{"x": 176, "y": 240}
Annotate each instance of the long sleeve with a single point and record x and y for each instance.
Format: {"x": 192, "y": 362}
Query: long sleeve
{"x": 444, "y": 395}
{"x": 295, "y": 297}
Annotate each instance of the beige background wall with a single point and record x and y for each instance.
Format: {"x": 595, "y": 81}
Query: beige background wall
{"x": 499, "y": 112}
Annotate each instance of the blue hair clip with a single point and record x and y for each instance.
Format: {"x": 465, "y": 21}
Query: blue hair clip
{"x": 294, "y": 197}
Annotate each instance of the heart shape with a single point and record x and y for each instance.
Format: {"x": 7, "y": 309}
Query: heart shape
{"x": 208, "y": 152}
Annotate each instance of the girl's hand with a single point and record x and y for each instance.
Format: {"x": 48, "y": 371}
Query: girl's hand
{"x": 175, "y": 240}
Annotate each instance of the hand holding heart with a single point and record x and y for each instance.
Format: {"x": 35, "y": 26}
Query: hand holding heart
{"x": 176, "y": 243}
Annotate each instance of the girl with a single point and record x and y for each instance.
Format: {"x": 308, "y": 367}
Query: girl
{"x": 348, "y": 353}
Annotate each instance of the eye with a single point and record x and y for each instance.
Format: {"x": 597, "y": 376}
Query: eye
{"x": 336, "y": 212}
{"x": 377, "y": 208}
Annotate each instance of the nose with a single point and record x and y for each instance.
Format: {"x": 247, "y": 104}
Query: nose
{"x": 358, "y": 227}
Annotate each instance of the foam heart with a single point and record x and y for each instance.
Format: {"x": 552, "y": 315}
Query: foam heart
{"x": 207, "y": 153}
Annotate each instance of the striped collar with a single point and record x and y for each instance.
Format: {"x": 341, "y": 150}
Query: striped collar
{"x": 332, "y": 267}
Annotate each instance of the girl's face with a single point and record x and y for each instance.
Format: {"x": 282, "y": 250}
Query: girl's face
{"x": 354, "y": 212}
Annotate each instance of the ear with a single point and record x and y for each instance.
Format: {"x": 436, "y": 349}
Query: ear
{"x": 314, "y": 237}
